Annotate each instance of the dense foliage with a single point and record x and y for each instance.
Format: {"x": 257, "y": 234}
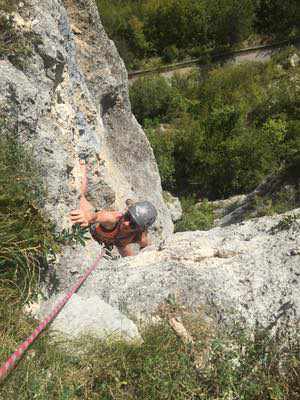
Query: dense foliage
{"x": 226, "y": 129}
{"x": 172, "y": 29}
{"x": 277, "y": 18}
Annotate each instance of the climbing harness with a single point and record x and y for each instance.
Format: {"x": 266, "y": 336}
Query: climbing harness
{"x": 15, "y": 357}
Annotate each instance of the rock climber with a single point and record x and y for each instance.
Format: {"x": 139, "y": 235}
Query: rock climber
{"x": 114, "y": 228}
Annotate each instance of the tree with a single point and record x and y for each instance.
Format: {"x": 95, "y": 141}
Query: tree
{"x": 277, "y": 18}
{"x": 155, "y": 98}
{"x": 230, "y": 21}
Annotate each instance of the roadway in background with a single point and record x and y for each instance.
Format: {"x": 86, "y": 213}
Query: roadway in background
{"x": 259, "y": 53}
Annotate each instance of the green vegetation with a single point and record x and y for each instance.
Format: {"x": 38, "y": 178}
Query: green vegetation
{"x": 26, "y": 237}
{"x": 195, "y": 217}
{"x": 170, "y": 30}
{"x": 8, "y": 6}
{"x": 285, "y": 223}
{"x": 227, "y": 128}
{"x": 222, "y": 364}
{"x": 220, "y": 132}
{"x": 155, "y": 99}
{"x": 273, "y": 17}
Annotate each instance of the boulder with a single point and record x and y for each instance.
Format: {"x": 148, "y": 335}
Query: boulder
{"x": 294, "y": 60}
{"x": 225, "y": 206}
{"x": 174, "y": 206}
{"x": 89, "y": 316}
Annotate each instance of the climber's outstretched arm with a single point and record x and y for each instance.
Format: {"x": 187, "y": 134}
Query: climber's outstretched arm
{"x": 85, "y": 214}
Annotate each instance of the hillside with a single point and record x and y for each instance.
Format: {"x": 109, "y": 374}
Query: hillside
{"x": 197, "y": 314}
{"x": 149, "y": 33}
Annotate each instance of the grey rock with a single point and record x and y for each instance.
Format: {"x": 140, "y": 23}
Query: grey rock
{"x": 247, "y": 272}
{"x": 275, "y": 187}
{"x": 240, "y": 272}
{"x": 72, "y": 98}
{"x": 225, "y": 206}
{"x": 174, "y": 206}
{"x": 294, "y": 60}
{"x": 89, "y": 316}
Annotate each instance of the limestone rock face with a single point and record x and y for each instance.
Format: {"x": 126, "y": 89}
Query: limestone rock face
{"x": 71, "y": 98}
{"x": 174, "y": 206}
{"x": 221, "y": 208}
{"x": 279, "y": 188}
{"x": 248, "y": 271}
{"x": 91, "y": 315}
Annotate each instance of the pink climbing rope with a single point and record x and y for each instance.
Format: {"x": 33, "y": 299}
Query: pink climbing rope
{"x": 14, "y": 358}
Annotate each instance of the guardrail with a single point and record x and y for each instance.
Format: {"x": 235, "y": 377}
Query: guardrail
{"x": 215, "y": 56}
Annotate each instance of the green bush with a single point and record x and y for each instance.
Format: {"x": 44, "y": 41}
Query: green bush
{"x": 195, "y": 216}
{"x": 124, "y": 26}
{"x": 277, "y": 18}
{"x": 26, "y": 237}
{"x": 231, "y": 21}
{"x": 182, "y": 24}
{"x": 170, "y": 54}
{"x": 155, "y": 98}
{"x": 163, "y": 145}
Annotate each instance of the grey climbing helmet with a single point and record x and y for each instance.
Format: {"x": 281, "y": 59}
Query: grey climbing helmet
{"x": 143, "y": 213}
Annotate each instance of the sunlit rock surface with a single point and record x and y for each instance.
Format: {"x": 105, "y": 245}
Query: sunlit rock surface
{"x": 70, "y": 98}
